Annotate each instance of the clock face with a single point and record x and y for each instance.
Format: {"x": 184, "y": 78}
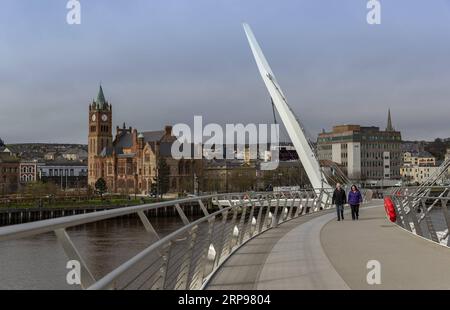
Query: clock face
{"x": 93, "y": 117}
{"x": 104, "y": 117}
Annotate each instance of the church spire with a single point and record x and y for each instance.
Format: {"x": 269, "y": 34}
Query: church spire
{"x": 101, "y": 101}
{"x": 389, "y": 126}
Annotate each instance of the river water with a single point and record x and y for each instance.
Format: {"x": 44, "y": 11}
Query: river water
{"x": 40, "y": 263}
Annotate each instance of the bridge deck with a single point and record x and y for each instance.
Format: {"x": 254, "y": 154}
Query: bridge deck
{"x": 317, "y": 252}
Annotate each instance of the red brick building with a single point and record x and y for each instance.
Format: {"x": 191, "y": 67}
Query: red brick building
{"x": 128, "y": 162}
{"x": 28, "y": 172}
{"x": 9, "y": 174}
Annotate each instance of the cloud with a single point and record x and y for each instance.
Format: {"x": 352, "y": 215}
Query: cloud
{"x": 165, "y": 62}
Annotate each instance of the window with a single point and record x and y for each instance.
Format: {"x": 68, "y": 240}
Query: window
{"x": 110, "y": 168}
{"x": 121, "y": 168}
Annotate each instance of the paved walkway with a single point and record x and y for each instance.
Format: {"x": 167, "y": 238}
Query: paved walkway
{"x": 317, "y": 252}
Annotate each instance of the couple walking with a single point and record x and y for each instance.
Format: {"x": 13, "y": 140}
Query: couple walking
{"x": 340, "y": 199}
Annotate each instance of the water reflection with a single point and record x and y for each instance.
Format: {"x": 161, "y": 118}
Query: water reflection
{"x": 40, "y": 263}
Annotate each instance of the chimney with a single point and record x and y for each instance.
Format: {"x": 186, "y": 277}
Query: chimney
{"x": 134, "y": 134}
{"x": 168, "y": 130}
{"x": 140, "y": 140}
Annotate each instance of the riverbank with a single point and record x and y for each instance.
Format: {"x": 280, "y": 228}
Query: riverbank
{"x": 20, "y": 215}
{"x": 81, "y": 203}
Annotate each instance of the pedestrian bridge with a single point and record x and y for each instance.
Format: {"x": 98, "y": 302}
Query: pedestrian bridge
{"x": 317, "y": 252}
{"x": 272, "y": 241}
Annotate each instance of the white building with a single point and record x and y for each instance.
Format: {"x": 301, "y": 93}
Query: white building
{"x": 419, "y": 158}
{"x": 415, "y": 174}
{"x": 64, "y": 173}
{"x": 62, "y": 169}
{"x": 417, "y": 167}
{"x": 75, "y": 154}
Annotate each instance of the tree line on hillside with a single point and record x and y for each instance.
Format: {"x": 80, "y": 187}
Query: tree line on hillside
{"x": 438, "y": 148}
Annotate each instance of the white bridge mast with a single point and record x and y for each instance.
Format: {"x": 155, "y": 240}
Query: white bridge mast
{"x": 293, "y": 127}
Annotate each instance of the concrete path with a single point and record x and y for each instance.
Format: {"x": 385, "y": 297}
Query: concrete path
{"x": 287, "y": 257}
{"x": 317, "y": 252}
{"x": 407, "y": 261}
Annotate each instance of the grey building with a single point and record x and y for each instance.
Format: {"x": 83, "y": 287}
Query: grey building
{"x": 366, "y": 153}
{"x": 65, "y": 173}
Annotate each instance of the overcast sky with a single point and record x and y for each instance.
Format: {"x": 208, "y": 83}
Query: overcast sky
{"x": 162, "y": 62}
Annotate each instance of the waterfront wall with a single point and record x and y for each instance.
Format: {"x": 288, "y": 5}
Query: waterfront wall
{"x": 12, "y": 216}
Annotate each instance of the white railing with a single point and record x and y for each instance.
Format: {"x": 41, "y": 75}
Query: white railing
{"x": 424, "y": 213}
{"x": 187, "y": 257}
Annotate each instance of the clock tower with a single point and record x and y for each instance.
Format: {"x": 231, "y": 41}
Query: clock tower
{"x": 100, "y": 134}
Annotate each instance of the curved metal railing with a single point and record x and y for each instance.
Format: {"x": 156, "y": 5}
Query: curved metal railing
{"x": 426, "y": 215}
{"x": 187, "y": 257}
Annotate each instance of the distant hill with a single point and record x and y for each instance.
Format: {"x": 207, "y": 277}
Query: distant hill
{"x": 437, "y": 148}
{"x": 38, "y": 151}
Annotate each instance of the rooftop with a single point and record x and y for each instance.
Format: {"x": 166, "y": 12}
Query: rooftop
{"x": 6, "y": 158}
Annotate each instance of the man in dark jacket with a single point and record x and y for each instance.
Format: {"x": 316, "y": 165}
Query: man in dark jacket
{"x": 339, "y": 199}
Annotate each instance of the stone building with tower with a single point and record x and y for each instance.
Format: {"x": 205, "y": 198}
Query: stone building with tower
{"x": 128, "y": 161}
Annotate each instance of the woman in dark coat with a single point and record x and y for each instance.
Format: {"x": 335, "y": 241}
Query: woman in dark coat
{"x": 354, "y": 199}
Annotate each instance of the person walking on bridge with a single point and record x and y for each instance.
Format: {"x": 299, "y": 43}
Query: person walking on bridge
{"x": 339, "y": 199}
{"x": 354, "y": 199}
